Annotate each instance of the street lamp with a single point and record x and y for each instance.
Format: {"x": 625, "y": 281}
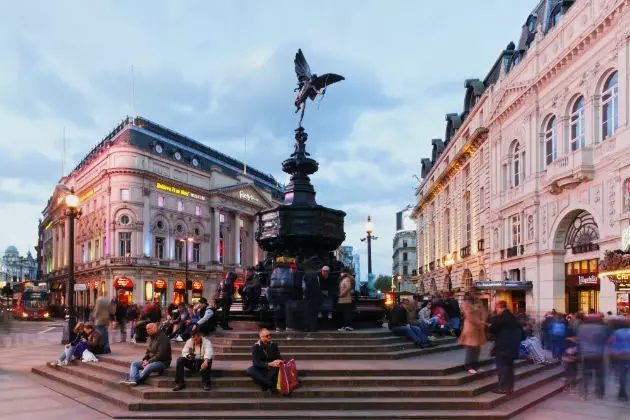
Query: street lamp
{"x": 72, "y": 211}
{"x": 190, "y": 239}
{"x": 448, "y": 263}
{"x": 369, "y": 238}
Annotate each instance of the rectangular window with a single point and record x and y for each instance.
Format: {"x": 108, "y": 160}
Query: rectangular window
{"x": 97, "y": 249}
{"x": 124, "y": 239}
{"x": 89, "y": 251}
{"x": 481, "y": 157}
{"x": 405, "y": 256}
{"x": 179, "y": 250}
{"x": 180, "y": 205}
{"x": 482, "y": 198}
{"x": 198, "y": 210}
{"x": 160, "y": 201}
{"x": 124, "y": 194}
{"x": 196, "y": 252}
{"x": 468, "y": 220}
{"x": 83, "y": 254}
{"x": 405, "y": 244}
{"x": 221, "y": 218}
{"x": 159, "y": 248}
{"x": 405, "y": 270}
{"x": 516, "y": 230}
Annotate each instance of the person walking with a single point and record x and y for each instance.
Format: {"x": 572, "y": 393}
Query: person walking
{"x": 473, "y": 334}
{"x": 508, "y": 334}
{"x": 344, "y": 302}
{"x": 101, "y": 316}
{"x": 225, "y": 297}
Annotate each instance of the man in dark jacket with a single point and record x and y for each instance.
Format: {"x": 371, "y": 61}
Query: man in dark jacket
{"x": 266, "y": 361}
{"x": 399, "y": 326}
{"x": 508, "y": 334}
{"x": 225, "y": 297}
{"x": 156, "y": 358}
{"x": 312, "y": 300}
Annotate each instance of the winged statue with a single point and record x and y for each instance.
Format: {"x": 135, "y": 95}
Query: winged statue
{"x": 309, "y": 84}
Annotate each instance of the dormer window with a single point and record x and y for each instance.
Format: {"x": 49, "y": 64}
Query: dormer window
{"x": 531, "y": 23}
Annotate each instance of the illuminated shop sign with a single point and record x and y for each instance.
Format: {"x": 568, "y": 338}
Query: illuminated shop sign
{"x": 197, "y": 285}
{"x": 48, "y": 225}
{"x": 123, "y": 283}
{"x": 86, "y": 195}
{"x": 179, "y": 191}
{"x": 247, "y": 196}
{"x": 180, "y": 285}
{"x": 160, "y": 284}
{"x": 497, "y": 285}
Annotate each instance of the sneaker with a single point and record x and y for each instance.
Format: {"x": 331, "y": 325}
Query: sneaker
{"x": 128, "y": 382}
{"x": 133, "y": 341}
{"x": 206, "y": 387}
{"x": 349, "y": 329}
{"x": 64, "y": 363}
{"x": 329, "y": 315}
{"x": 179, "y": 339}
{"x": 342, "y": 329}
{"x": 472, "y": 371}
{"x": 55, "y": 363}
{"x": 319, "y": 315}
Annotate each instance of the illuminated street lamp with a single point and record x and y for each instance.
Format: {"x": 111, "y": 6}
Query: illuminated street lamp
{"x": 73, "y": 212}
{"x": 448, "y": 263}
{"x": 369, "y": 229}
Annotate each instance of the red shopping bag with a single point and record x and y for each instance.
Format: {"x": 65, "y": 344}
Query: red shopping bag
{"x": 287, "y": 377}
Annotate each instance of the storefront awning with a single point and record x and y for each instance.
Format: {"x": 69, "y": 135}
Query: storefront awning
{"x": 502, "y": 285}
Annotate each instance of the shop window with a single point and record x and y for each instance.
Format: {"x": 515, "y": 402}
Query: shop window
{"x": 148, "y": 291}
{"x": 594, "y": 265}
{"x": 583, "y": 267}
{"x": 221, "y": 246}
{"x": 196, "y": 252}
{"x": 124, "y": 242}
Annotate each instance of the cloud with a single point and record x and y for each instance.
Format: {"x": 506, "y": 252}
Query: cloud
{"x": 223, "y": 72}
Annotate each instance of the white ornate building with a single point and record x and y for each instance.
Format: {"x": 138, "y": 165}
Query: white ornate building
{"x": 157, "y": 208}
{"x": 531, "y": 183}
{"x": 404, "y": 246}
{"x": 15, "y": 269}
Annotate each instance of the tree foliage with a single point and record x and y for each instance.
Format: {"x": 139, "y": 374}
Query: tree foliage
{"x": 383, "y": 283}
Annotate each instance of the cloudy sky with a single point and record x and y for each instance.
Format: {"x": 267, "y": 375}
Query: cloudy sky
{"x": 222, "y": 71}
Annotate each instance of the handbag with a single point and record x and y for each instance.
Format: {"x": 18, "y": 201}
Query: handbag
{"x": 88, "y": 356}
{"x": 287, "y": 377}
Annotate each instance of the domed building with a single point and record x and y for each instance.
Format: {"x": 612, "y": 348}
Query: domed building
{"x": 16, "y": 268}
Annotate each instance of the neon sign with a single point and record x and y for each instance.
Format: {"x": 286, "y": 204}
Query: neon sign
{"x": 178, "y": 191}
{"x": 86, "y": 195}
{"x": 179, "y": 285}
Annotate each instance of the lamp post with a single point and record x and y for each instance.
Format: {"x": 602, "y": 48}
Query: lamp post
{"x": 190, "y": 239}
{"x": 369, "y": 229}
{"x": 72, "y": 211}
{"x": 448, "y": 263}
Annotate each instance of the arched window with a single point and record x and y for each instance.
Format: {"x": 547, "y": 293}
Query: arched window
{"x": 551, "y": 142}
{"x": 516, "y": 166}
{"x": 577, "y": 124}
{"x": 610, "y": 106}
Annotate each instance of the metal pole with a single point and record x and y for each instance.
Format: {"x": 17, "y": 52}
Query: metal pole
{"x": 70, "y": 281}
{"x": 369, "y": 241}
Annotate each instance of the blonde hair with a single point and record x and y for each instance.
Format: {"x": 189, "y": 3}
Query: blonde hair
{"x": 79, "y": 327}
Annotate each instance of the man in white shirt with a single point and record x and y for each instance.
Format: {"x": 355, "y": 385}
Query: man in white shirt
{"x": 196, "y": 356}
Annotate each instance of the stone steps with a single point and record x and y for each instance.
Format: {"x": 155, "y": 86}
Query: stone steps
{"x": 305, "y": 399}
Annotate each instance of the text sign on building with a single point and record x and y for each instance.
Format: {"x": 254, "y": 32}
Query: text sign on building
{"x": 179, "y": 285}
{"x": 160, "y": 284}
{"x": 243, "y": 195}
{"x": 197, "y": 285}
{"x": 123, "y": 283}
{"x": 179, "y": 191}
{"x": 584, "y": 280}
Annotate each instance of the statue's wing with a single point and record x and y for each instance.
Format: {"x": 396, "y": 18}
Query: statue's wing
{"x": 302, "y": 69}
{"x": 326, "y": 80}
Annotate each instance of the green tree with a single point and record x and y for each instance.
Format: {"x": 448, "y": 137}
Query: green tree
{"x": 383, "y": 283}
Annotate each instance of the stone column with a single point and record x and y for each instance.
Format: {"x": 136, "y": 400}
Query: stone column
{"x": 237, "y": 238}
{"x": 216, "y": 230}
{"x": 147, "y": 238}
{"x": 623, "y": 58}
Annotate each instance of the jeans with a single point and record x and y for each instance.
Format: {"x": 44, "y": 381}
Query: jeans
{"x": 139, "y": 377}
{"x": 346, "y": 313}
{"x": 505, "y": 373}
{"x": 622, "y": 372}
{"x": 102, "y": 330}
{"x": 414, "y": 333}
{"x": 67, "y": 353}
{"x": 557, "y": 346}
{"x": 225, "y": 305}
{"x": 472, "y": 357}
{"x": 265, "y": 378}
{"x": 193, "y": 365}
{"x": 454, "y": 323}
{"x": 311, "y": 308}
{"x": 593, "y": 366}
{"x": 279, "y": 312}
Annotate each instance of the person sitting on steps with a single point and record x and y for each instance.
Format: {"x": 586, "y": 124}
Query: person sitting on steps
{"x": 156, "y": 359}
{"x": 196, "y": 357}
{"x": 398, "y": 325}
{"x": 266, "y": 362}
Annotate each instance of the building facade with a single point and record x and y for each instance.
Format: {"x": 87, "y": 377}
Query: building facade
{"x": 404, "y": 245}
{"x": 356, "y": 266}
{"x": 530, "y": 186}
{"x": 15, "y": 268}
{"x": 163, "y": 218}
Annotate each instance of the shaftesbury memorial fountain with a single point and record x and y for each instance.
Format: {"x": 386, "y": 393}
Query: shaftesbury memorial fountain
{"x": 300, "y": 230}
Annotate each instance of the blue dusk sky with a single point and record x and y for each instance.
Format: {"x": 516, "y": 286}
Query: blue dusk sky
{"x": 222, "y": 71}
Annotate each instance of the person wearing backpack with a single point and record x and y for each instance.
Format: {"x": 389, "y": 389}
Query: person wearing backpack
{"x": 558, "y": 330}
{"x": 620, "y": 353}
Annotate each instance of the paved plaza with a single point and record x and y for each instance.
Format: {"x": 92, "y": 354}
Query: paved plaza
{"x": 35, "y": 343}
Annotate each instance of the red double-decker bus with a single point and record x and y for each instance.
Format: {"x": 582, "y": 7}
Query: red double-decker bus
{"x": 30, "y": 300}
